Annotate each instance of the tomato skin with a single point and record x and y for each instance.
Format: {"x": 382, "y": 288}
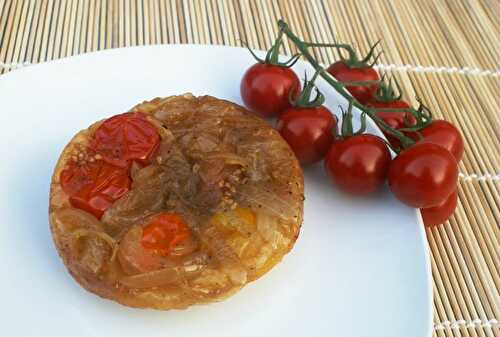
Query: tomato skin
{"x": 125, "y": 138}
{"x": 342, "y": 72}
{"x": 94, "y": 186}
{"x": 444, "y": 134}
{"x": 423, "y": 175}
{"x": 266, "y": 89}
{"x": 308, "y": 131}
{"x": 358, "y": 164}
{"x": 396, "y": 120}
{"x": 163, "y": 232}
{"x": 438, "y": 214}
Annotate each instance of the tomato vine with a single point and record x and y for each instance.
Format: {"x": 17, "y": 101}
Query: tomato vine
{"x": 422, "y": 113}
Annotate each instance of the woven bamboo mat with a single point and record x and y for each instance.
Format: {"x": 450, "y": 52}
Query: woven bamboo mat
{"x": 446, "y": 51}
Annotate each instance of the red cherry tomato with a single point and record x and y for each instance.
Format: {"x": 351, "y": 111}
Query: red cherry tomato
{"x": 358, "y": 164}
{"x": 423, "y": 175}
{"x": 438, "y": 214}
{"x": 94, "y": 186}
{"x": 396, "y": 120}
{"x": 266, "y": 89}
{"x": 444, "y": 134}
{"x": 163, "y": 232}
{"x": 125, "y": 138}
{"x": 342, "y": 72}
{"x": 308, "y": 131}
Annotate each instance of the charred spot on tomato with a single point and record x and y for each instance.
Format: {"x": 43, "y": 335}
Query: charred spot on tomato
{"x": 163, "y": 232}
{"x": 93, "y": 186}
{"x": 125, "y": 138}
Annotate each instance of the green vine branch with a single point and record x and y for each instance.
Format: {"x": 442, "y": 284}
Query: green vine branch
{"x": 422, "y": 114}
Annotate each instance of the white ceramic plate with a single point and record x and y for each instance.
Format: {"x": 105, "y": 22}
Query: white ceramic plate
{"x": 359, "y": 269}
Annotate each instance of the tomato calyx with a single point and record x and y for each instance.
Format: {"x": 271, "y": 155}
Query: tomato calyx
{"x": 414, "y": 121}
{"x": 347, "y": 129}
{"x": 353, "y": 61}
{"x": 423, "y": 117}
{"x": 386, "y": 93}
{"x": 272, "y": 55}
{"x": 304, "y": 100}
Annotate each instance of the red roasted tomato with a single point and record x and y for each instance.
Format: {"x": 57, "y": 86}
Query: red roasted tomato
{"x": 163, "y": 232}
{"x": 342, "y": 72}
{"x": 94, "y": 186}
{"x": 125, "y": 138}
{"x": 358, "y": 164}
{"x": 308, "y": 131}
{"x": 423, "y": 175}
{"x": 266, "y": 88}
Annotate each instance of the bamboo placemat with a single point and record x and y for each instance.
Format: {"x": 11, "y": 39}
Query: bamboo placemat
{"x": 446, "y": 51}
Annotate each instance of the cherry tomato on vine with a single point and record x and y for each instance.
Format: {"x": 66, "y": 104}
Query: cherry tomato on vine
{"x": 94, "y": 186}
{"x": 125, "y": 138}
{"x": 438, "y": 214}
{"x": 163, "y": 232}
{"x": 395, "y": 120}
{"x": 308, "y": 131}
{"x": 266, "y": 88}
{"x": 345, "y": 73}
{"x": 423, "y": 175}
{"x": 444, "y": 134}
{"x": 358, "y": 164}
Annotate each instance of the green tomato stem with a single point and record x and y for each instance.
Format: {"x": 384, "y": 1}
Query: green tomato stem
{"x": 303, "y": 47}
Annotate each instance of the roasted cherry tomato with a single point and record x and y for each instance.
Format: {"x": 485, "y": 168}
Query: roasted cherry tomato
{"x": 444, "y": 134}
{"x": 163, "y": 232}
{"x": 342, "y": 72}
{"x": 125, "y": 138}
{"x": 438, "y": 214}
{"x": 308, "y": 131}
{"x": 94, "y": 186}
{"x": 423, "y": 175}
{"x": 358, "y": 164}
{"x": 267, "y": 89}
{"x": 395, "y": 120}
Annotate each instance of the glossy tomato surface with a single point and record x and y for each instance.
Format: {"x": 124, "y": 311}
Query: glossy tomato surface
{"x": 266, "y": 89}
{"x": 94, "y": 186}
{"x": 125, "y": 138}
{"x": 423, "y": 175}
{"x": 444, "y": 134}
{"x": 342, "y": 72}
{"x": 308, "y": 131}
{"x": 358, "y": 164}
{"x": 439, "y": 214}
{"x": 163, "y": 232}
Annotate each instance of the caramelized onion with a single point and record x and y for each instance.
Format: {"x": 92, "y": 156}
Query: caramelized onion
{"x": 79, "y": 233}
{"x": 189, "y": 269}
{"x": 133, "y": 257}
{"x": 228, "y": 158}
{"x": 224, "y": 254}
{"x": 85, "y": 239}
{"x": 267, "y": 226}
{"x": 73, "y": 218}
{"x": 261, "y": 197}
{"x": 145, "y": 198}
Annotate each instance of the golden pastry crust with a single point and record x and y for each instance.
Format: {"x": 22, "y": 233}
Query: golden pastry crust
{"x": 231, "y": 177}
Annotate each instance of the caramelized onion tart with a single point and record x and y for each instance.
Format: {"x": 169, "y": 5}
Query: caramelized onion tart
{"x": 182, "y": 200}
